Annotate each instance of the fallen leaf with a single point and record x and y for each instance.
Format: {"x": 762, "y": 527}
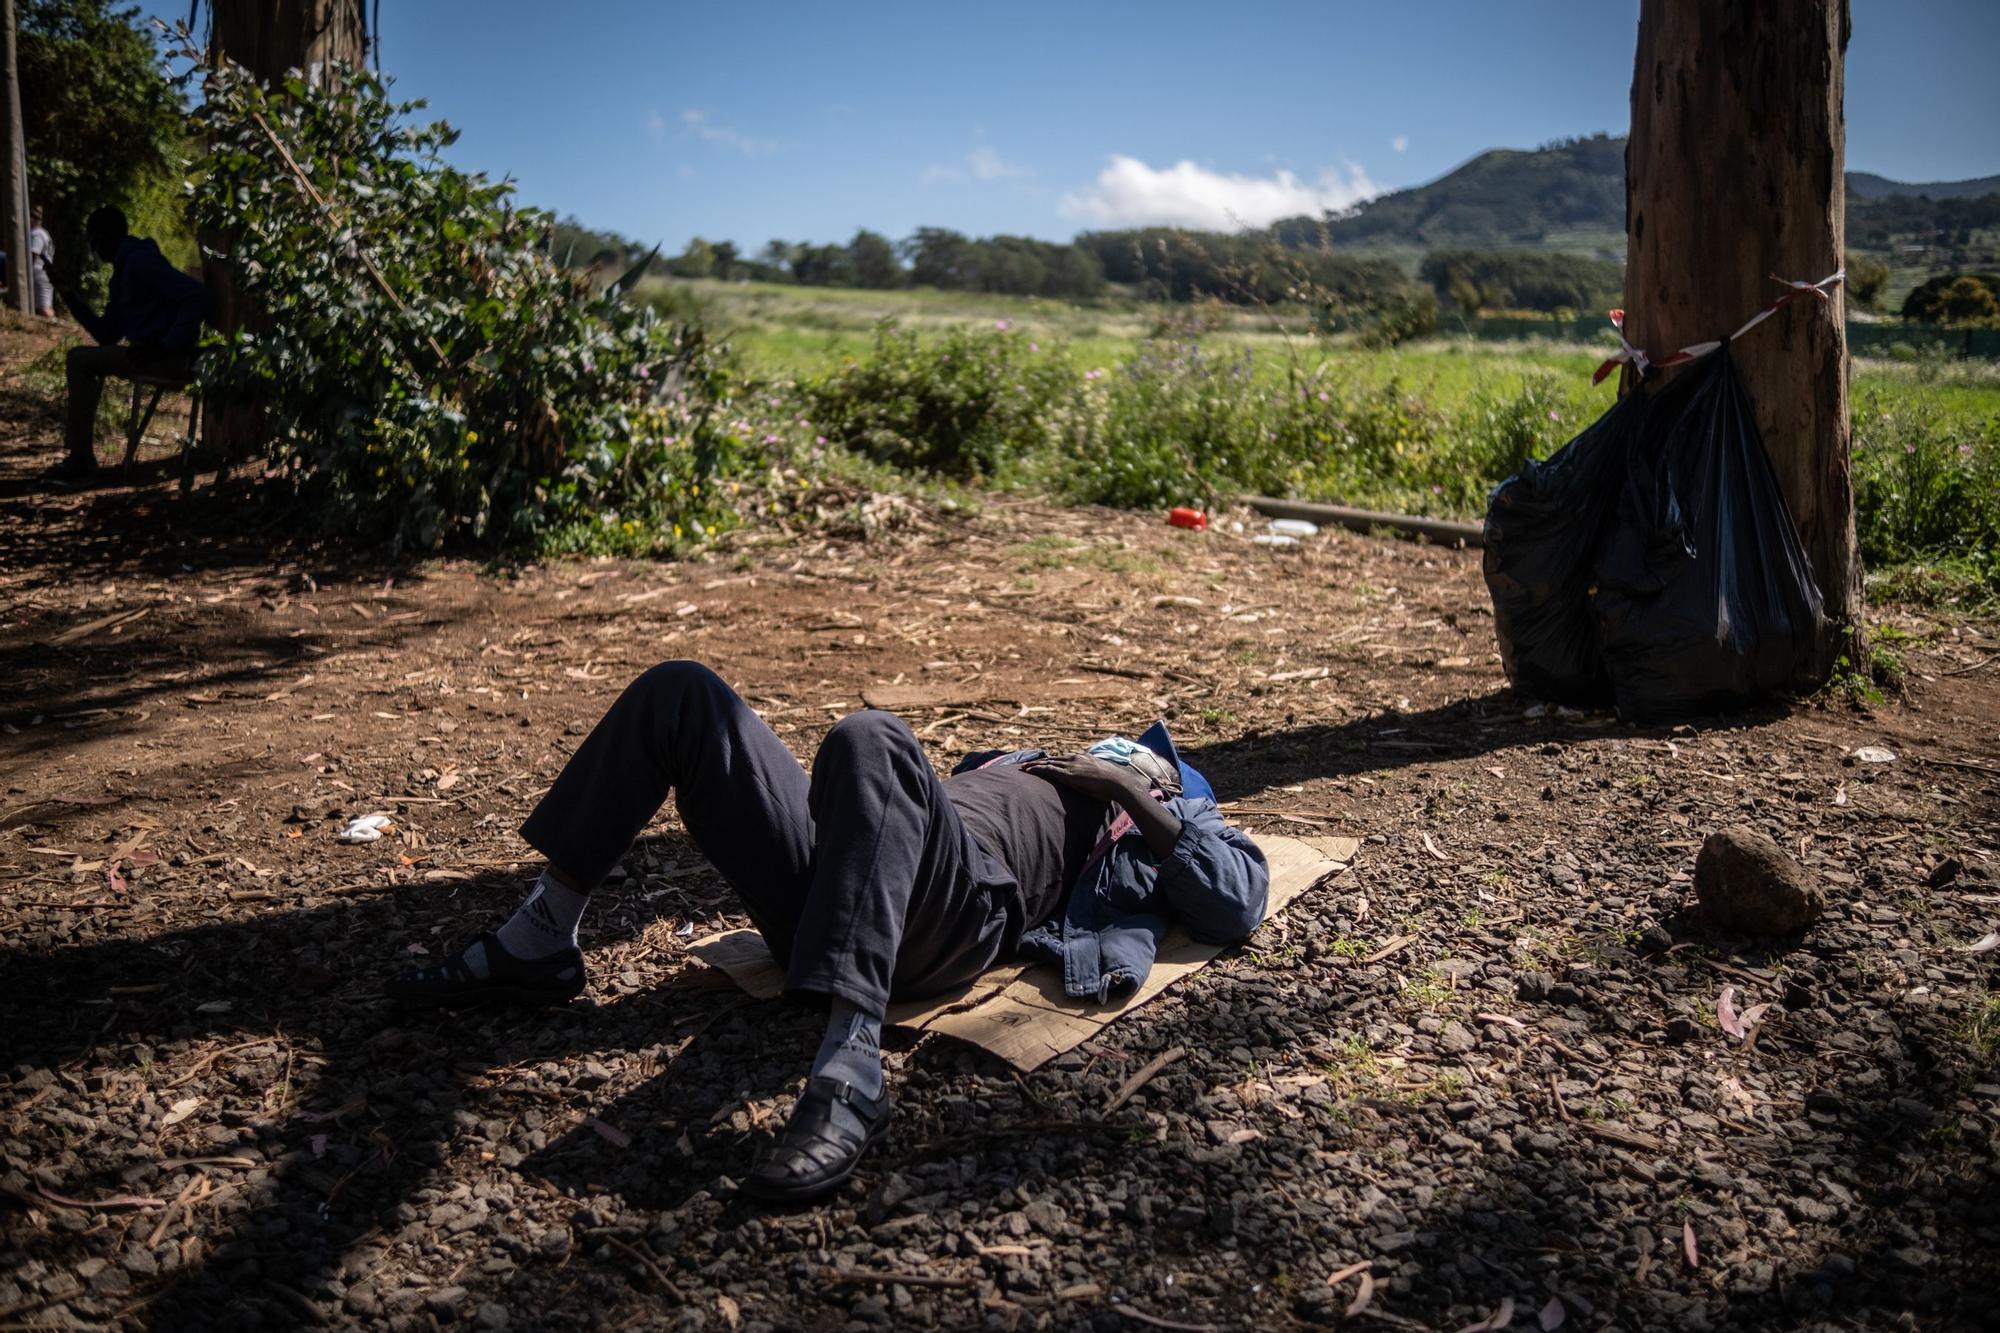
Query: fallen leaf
{"x": 180, "y": 1111}
{"x": 1725, "y": 1013}
{"x": 1363, "y": 1296}
{"x": 1507, "y": 1019}
{"x": 1875, "y": 754}
{"x": 730, "y": 1310}
{"x": 215, "y": 1007}
{"x": 1688, "y": 1245}
{"x": 611, "y": 1134}
{"x": 1336, "y": 1278}
{"x": 1245, "y": 1135}
{"x": 1432, "y": 848}
{"x": 1988, "y": 944}
{"x": 1552, "y": 1315}
{"x": 1752, "y": 1016}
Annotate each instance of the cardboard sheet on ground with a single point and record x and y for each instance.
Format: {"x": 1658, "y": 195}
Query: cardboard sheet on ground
{"x": 1018, "y": 1011}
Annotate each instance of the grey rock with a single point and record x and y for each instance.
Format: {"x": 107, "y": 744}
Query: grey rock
{"x": 1748, "y": 884}
{"x": 1533, "y": 985}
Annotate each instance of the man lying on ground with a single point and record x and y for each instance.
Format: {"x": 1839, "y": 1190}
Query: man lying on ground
{"x": 871, "y": 880}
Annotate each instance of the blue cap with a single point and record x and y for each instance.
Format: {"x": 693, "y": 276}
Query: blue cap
{"x": 1193, "y": 784}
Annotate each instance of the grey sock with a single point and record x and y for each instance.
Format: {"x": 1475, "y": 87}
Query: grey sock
{"x": 851, "y": 1052}
{"x": 544, "y": 924}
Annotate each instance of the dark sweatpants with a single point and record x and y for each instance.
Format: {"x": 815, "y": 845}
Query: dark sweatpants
{"x": 85, "y": 370}
{"x": 861, "y": 878}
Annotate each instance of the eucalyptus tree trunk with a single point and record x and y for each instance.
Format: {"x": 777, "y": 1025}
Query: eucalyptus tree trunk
{"x": 14, "y": 171}
{"x": 1735, "y": 171}
{"x": 270, "y": 39}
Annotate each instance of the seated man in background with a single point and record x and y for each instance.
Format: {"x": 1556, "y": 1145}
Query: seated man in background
{"x": 152, "y": 307}
{"x": 871, "y": 880}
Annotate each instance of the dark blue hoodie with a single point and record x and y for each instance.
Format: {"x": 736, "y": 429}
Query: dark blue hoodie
{"x": 151, "y": 303}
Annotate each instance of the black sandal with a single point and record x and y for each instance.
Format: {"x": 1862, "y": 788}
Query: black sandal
{"x": 816, "y": 1153}
{"x": 555, "y": 980}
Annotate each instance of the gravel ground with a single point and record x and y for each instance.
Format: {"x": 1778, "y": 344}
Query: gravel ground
{"x": 1481, "y": 1077}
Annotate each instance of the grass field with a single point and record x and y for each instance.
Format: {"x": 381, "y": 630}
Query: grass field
{"x": 1142, "y": 404}
{"x": 783, "y": 332}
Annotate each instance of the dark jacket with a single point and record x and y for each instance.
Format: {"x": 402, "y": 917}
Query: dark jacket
{"x": 1214, "y": 883}
{"x": 151, "y": 303}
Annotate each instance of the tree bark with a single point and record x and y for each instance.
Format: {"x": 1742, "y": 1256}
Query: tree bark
{"x": 1736, "y": 170}
{"x": 269, "y": 38}
{"x": 14, "y": 185}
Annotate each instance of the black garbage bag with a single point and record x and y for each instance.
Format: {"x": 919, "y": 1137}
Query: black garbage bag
{"x": 1544, "y": 530}
{"x": 1704, "y": 598}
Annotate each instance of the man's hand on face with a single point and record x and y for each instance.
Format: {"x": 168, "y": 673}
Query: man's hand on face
{"x": 1099, "y": 779}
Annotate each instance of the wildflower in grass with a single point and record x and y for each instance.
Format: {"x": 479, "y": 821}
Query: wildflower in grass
{"x": 1555, "y": 415}
{"x": 770, "y": 439}
{"x": 819, "y": 439}
{"x": 472, "y": 437}
{"x": 1325, "y": 397}
{"x": 999, "y": 326}
{"x": 1093, "y": 374}
{"x": 645, "y": 372}
{"x": 1034, "y": 347}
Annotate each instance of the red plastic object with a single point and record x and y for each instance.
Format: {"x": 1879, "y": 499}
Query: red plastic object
{"x": 1187, "y": 518}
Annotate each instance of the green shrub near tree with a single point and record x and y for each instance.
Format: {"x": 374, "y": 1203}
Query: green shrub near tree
{"x": 962, "y": 406}
{"x": 426, "y": 373}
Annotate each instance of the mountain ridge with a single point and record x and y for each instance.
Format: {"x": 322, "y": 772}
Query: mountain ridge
{"x": 1567, "y": 195}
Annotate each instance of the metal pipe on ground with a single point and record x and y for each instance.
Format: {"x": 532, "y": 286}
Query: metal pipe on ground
{"x": 1367, "y": 520}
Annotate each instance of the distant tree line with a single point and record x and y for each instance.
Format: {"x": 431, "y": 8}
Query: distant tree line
{"x": 1475, "y": 280}
{"x": 1158, "y": 263}
{"x": 1290, "y": 262}
{"x": 1885, "y": 223}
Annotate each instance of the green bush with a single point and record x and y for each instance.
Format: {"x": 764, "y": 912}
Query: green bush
{"x": 1166, "y": 428}
{"x": 1926, "y": 486}
{"x": 963, "y": 406}
{"x": 422, "y": 369}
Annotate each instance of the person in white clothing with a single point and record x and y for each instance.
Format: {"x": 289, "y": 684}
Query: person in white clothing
{"x": 41, "y": 254}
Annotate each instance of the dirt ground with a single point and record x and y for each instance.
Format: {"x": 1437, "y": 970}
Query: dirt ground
{"x": 1481, "y": 1075}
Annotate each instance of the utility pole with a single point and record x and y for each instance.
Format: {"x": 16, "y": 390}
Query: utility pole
{"x": 14, "y": 185}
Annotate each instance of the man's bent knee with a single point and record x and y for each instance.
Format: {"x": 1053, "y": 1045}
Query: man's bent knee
{"x": 671, "y": 680}
{"x": 870, "y": 732}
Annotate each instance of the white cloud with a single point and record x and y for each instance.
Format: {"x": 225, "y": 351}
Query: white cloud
{"x": 982, "y": 163}
{"x": 1400, "y": 142}
{"x": 1130, "y": 193}
{"x": 656, "y": 126}
{"x": 990, "y": 166}
{"x": 699, "y": 125}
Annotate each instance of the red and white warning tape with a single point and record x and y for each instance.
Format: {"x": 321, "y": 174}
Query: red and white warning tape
{"x": 1627, "y": 354}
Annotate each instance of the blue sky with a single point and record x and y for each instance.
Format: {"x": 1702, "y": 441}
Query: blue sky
{"x": 805, "y": 122}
